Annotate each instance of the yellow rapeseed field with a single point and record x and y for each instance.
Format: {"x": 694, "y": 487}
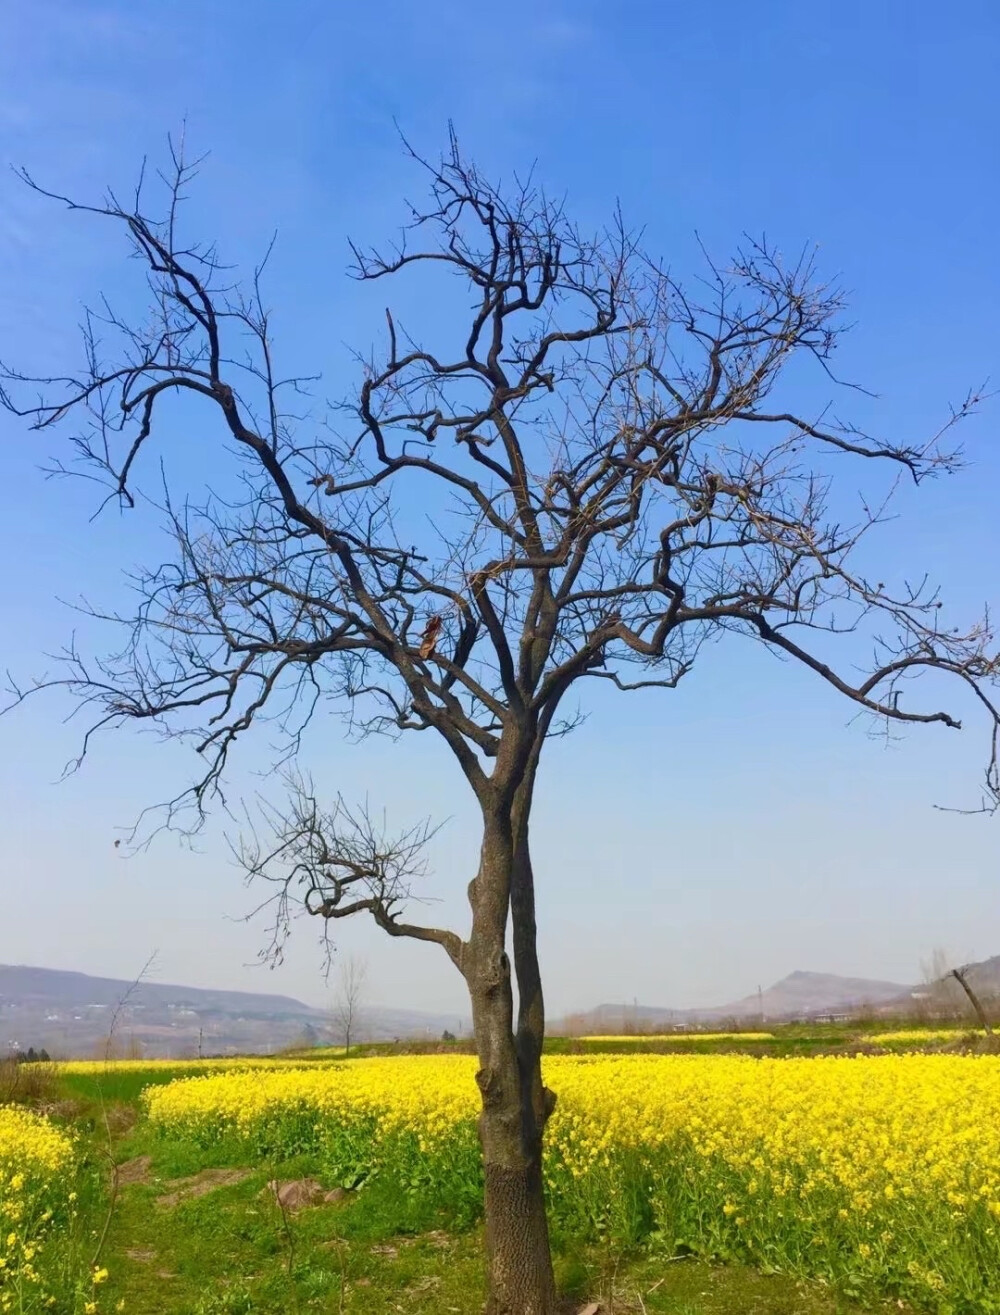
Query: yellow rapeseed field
{"x": 428, "y": 1094}
{"x": 924, "y": 1036}
{"x": 213, "y": 1064}
{"x": 681, "y": 1036}
{"x": 879, "y": 1172}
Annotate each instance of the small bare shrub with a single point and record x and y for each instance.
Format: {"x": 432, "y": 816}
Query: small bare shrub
{"x": 22, "y": 1083}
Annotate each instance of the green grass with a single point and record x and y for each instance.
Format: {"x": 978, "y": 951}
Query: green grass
{"x": 233, "y": 1251}
{"x": 114, "y": 1086}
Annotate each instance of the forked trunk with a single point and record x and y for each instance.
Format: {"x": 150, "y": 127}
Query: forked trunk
{"x": 515, "y": 1105}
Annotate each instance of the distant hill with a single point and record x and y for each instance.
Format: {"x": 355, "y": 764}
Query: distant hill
{"x": 803, "y": 994}
{"x": 69, "y": 1014}
{"x": 68, "y": 989}
{"x": 799, "y": 995}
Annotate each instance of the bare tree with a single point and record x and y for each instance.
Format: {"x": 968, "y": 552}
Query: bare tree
{"x": 941, "y": 992}
{"x": 939, "y": 976}
{"x": 608, "y": 478}
{"x": 961, "y": 975}
{"x": 347, "y": 1002}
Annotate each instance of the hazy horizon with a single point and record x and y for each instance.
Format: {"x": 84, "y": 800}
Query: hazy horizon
{"x": 367, "y": 1001}
{"x": 689, "y": 846}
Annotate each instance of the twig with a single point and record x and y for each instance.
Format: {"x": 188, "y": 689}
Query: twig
{"x": 109, "y": 1149}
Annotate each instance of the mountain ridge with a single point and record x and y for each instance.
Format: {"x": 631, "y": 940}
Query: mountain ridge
{"x": 59, "y": 983}
{"x": 800, "y": 994}
{"x": 70, "y": 1014}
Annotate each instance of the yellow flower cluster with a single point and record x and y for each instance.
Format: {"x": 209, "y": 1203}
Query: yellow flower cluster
{"x": 426, "y": 1093}
{"x": 882, "y": 1169}
{"x": 215, "y": 1064}
{"x": 31, "y": 1145}
{"x": 35, "y": 1158}
{"x": 682, "y": 1036}
{"x": 921, "y": 1036}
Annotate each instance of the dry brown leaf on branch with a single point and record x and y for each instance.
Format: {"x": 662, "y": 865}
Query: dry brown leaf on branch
{"x": 428, "y": 640}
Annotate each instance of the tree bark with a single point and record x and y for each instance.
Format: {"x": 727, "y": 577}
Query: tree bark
{"x": 515, "y": 1105}
{"x": 519, "y": 1263}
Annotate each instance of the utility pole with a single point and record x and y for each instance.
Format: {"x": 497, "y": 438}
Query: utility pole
{"x": 760, "y": 1004}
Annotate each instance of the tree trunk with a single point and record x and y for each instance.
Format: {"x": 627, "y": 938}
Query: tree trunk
{"x": 515, "y": 1105}
{"x": 519, "y": 1263}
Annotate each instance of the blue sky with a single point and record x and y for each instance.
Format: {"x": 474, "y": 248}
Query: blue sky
{"x": 690, "y": 846}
